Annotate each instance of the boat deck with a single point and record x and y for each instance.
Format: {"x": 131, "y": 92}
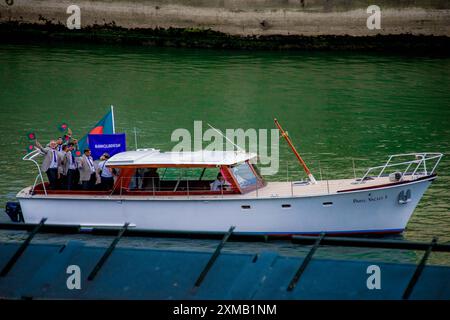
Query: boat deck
{"x": 271, "y": 190}
{"x": 298, "y": 189}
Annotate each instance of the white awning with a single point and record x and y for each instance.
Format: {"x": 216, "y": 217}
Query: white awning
{"x": 155, "y": 157}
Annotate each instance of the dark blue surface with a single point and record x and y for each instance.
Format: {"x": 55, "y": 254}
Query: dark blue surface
{"x": 135, "y": 273}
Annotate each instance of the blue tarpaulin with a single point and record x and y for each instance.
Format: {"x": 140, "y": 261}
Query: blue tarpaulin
{"x": 143, "y": 273}
{"x": 110, "y": 143}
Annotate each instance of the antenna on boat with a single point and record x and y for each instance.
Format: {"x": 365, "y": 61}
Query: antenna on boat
{"x": 135, "y": 138}
{"x": 219, "y": 132}
{"x": 286, "y": 137}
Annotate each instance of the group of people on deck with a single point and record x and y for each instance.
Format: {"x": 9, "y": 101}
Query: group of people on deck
{"x": 65, "y": 171}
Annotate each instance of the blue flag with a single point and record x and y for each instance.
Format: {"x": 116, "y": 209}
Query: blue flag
{"x": 110, "y": 143}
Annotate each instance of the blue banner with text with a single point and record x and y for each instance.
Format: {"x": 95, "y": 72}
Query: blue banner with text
{"x": 109, "y": 143}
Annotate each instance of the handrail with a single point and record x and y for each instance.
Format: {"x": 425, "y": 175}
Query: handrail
{"x": 419, "y": 159}
{"x": 30, "y": 157}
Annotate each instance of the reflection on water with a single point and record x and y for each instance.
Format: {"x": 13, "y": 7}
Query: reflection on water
{"x": 336, "y": 107}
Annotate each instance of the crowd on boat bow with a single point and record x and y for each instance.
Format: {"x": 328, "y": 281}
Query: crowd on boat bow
{"x": 66, "y": 171}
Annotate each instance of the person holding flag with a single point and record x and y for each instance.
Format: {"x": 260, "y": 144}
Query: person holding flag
{"x": 57, "y": 163}
{"x": 51, "y": 163}
{"x": 68, "y": 137}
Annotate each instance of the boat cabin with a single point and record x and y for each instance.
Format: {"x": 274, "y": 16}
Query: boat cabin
{"x": 149, "y": 172}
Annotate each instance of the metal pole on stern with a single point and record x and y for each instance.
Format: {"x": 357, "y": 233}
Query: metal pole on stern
{"x": 288, "y": 140}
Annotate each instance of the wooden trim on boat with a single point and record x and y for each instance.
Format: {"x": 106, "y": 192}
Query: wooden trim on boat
{"x": 431, "y": 177}
{"x": 124, "y": 179}
{"x": 229, "y": 176}
{"x": 126, "y": 192}
{"x": 143, "y": 166}
{"x": 175, "y": 193}
{"x": 39, "y": 190}
{"x": 260, "y": 181}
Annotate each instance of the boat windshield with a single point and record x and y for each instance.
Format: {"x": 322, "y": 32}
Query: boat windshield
{"x": 244, "y": 174}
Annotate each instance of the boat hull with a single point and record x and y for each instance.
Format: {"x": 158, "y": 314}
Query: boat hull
{"x": 375, "y": 210}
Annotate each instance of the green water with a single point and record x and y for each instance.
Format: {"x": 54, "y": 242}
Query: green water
{"x": 336, "y": 106}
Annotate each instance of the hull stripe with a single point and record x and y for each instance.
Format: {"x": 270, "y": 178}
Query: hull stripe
{"x": 373, "y": 231}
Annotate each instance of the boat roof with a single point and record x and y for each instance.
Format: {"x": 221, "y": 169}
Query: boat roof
{"x": 155, "y": 157}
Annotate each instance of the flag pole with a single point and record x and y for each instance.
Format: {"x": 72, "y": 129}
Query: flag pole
{"x": 299, "y": 158}
{"x": 135, "y": 138}
{"x": 113, "y": 122}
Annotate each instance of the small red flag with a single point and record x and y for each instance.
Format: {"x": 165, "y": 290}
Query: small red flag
{"x": 63, "y": 127}
{"x": 31, "y": 136}
{"x": 30, "y": 148}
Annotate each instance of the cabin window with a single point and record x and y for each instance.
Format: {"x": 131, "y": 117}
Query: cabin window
{"x": 174, "y": 179}
{"x": 244, "y": 175}
{"x": 258, "y": 172}
{"x": 184, "y": 179}
{"x": 194, "y": 174}
{"x": 145, "y": 179}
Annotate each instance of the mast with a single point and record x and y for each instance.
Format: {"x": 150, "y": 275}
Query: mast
{"x": 113, "y": 122}
{"x": 135, "y": 138}
{"x": 288, "y": 140}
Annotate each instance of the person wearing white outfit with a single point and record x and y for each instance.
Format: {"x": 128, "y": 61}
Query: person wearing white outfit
{"x": 106, "y": 174}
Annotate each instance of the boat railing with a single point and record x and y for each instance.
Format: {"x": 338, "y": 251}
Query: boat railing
{"x": 421, "y": 164}
{"x": 153, "y": 186}
{"x": 30, "y": 157}
{"x": 420, "y": 161}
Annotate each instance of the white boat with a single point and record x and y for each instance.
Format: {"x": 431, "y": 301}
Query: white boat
{"x": 180, "y": 199}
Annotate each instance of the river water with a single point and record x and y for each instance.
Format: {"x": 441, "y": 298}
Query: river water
{"x": 337, "y": 107}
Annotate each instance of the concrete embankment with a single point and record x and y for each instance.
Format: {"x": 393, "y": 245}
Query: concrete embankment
{"x": 242, "y": 22}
